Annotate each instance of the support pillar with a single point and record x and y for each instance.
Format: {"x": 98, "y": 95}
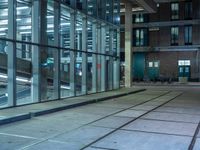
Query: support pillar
{"x": 128, "y": 45}
{"x": 56, "y": 52}
{"x": 99, "y": 68}
{"x": 103, "y": 58}
{"x": 72, "y": 53}
{"x": 110, "y": 70}
{"x": 43, "y": 50}
{"x": 35, "y": 86}
{"x": 94, "y": 58}
{"x": 84, "y": 56}
{"x": 12, "y": 53}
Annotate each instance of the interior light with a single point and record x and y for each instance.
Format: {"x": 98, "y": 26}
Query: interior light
{"x": 22, "y": 8}
{"x": 25, "y": 27}
{"x": 3, "y": 29}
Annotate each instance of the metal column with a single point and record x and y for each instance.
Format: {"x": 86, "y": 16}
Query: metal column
{"x": 35, "y": 86}
{"x": 128, "y": 45}
{"x": 94, "y": 57}
{"x": 12, "y": 53}
{"x": 116, "y": 68}
{"x": 56, "y": 53}
{"x": 110, "y": 73}
{"x": 103, "y": 59}
{"x": 84, "y": 56}
{"x": 72, "y": 53}
{"x": 98, "y": 58}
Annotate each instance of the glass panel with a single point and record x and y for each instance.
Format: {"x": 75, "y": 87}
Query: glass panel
{"x": 65, "y": 73}
{"x": 175, "y": 11}
{"x": 156, "y": 64}
{"x": 187, "y": 62}
{"x": 150, "y": 64}
{"x": 23, "y": 74}
{"x": 24, "y": 22}
{"x": 78, "y": 73}
{"x": 109, "y": 10}
{"x": 92, "y": 7}
{"x": 3, "y": 75}
{"x": 3, "y": 20}
{"x": 65, "y": 54}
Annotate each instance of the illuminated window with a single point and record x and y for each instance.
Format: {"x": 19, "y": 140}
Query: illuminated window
{"x": 174, "y": 11}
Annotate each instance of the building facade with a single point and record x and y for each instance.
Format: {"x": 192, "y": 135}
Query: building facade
{"x": 166, "y": 44}
{"x": 53, "y": 49}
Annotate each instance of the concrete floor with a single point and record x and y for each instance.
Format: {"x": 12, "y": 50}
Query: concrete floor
{"x": 156, "y": 119}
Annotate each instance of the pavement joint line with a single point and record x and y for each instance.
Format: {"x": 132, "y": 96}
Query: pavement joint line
{"x": 103, "y": 148}
{"x": 20, "y": 136}
{"x": 166, "y": 92}
{"x": 193, "y": 141}
{"x": 177, "y": 113}
{"x": 160, "y": 133}
{"x": 129, "y": 122}
{"x": 30, "y": 115}
{"x": 169, "y": 121}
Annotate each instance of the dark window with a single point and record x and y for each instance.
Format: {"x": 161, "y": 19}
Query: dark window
{"x": 174, "y": 35}
{"x": 188, "y": 35}
{"x": 140, "y": 37}
{"x": 174, "y": 11}
{"x": 188, "y": 10}
{"x": 79, "y": 4}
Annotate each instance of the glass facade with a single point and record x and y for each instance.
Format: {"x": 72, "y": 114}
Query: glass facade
{"x": 57, "y": 49}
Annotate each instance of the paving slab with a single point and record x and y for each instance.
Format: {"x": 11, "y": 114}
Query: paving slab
{"x": 53, "y": 145}
{"x": 14, "y": 113}
{"x": 9, "y": 142}
{"x": 173, "y": 117}
{"x": 112, "y": 122}
{"x": 82, "y": 136}
{"x": 96, "y": 110}
{"x": 129, "y": 140}
{"x": 190, "y": 111}
{"x": 144, "y": 107}
{"x": 197, "y": 144}
{"x": 185, "y": 129}
{"x": 131, "y": 113}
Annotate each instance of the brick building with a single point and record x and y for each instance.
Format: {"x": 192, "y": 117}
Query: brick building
{"x": 165, "y": 44}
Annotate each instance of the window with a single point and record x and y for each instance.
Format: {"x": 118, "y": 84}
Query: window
{"x": 188, "y": 10}
{"x": 188, "y": 35}
{"x": 140, "y": 37}
{"x": 150, "y": 64}
{"x": 140, "y": 18}
{"x": 174, "y": 11}
{"x": 174, "y": 35}
{"x": 184, "y": 63}
{"x": 154, "y": 64}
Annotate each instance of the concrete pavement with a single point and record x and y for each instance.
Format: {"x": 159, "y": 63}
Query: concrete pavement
{"x": 155, "y": 119}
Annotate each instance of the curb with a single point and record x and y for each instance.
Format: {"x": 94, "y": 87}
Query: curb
{"x": 61, "y": 108}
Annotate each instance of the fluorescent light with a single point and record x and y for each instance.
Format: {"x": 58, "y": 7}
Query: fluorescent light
{"x": 18, "y": 79}
{"x": 50, "y": 17}
{"x": 49, "y": 31}
{"x": 25, "y": 27}
{"x": 2, "y": 34}
{"x": 3, "y": 22}
{"x": 50, "y": 26}
{"x": 28, "y": 32}
{"x": 63, "y": 24}
{"x": 22, "y": 8}
{"x": 3, "y": 29}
